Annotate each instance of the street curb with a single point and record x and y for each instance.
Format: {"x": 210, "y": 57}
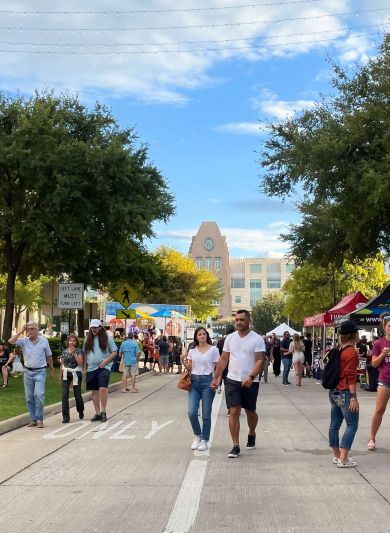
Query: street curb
{"x": 22, "y": 420}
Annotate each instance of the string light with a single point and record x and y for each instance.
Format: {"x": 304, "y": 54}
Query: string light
{"x": 198, "y": 26}
{"x": 211, "y": 41}
{"x": 160, "y": 11}
{"x": 143, "y": 52}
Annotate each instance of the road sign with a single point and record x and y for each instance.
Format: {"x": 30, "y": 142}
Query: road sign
{"x": 125, "y": 313}
{"x": 70, "y": 295}
{"x": 125, "y": 295}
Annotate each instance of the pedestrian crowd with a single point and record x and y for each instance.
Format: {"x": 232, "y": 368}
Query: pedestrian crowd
{"x": 240, "y": 360}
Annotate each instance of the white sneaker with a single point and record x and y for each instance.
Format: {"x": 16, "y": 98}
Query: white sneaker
{"x": 195, "y": 443}
{"x": 202, "y": 446}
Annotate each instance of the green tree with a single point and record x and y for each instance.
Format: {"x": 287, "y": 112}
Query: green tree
{"x": 336, "y": 157}
{"x": 184, "y": 284}
{"x": 28, "y": 295}
{"x": 310, "y": 288}
{"x": 77, "y": 194}
{"x": 268, "y": 312}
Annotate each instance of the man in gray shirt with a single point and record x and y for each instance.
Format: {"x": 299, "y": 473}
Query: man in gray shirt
{"x": 37, "y": 356}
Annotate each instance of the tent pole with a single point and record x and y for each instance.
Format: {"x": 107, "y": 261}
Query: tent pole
{"x": 312, "y": 354}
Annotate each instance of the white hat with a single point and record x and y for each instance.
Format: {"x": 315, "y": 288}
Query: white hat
{"x": 95, "y": 323}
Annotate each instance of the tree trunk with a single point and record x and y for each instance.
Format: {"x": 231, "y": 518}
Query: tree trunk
{"x": 13, "y": 258}
{"x": 9, "y": 304}
{"x": 18, "y": 311}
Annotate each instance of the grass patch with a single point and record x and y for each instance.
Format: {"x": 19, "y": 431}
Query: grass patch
{"x": 12, "y": 399}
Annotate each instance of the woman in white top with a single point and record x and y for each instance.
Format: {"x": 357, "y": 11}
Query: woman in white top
{"x": 201, "y": 361}
{"x": 298, "y": 357}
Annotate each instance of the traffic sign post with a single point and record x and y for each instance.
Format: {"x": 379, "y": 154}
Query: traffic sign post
{"x": 125, "y": 313}
{"x": 125, "y": 295}
{"x": 71, "y": 296}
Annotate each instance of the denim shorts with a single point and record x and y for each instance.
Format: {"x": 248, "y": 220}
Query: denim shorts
{"x": 383, "y": 384}
{"x": 97, "y": 379}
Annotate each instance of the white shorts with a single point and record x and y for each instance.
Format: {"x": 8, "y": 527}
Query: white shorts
{"x": 131, "y": 369}
{"x": 298, "y": 357}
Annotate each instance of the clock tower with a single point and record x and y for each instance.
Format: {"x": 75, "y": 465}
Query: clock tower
{"x": 210, "y": 252}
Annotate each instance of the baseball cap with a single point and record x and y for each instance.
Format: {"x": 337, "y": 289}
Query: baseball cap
{"x": 95, "y": 323}
{"x": 347, "y": 327}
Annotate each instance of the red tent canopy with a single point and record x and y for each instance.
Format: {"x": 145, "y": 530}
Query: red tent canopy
{"x": 346, "y": 305}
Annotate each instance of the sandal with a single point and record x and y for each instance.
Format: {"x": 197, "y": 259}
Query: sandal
{"x": 371, "y": 445}
{"x": 134, "y": 390}
{"x": 349, "y": 464}
{"x": 335, "y": 460}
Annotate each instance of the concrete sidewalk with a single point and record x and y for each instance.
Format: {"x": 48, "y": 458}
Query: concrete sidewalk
{"x": 22, "y": 420}
{"x": 133, "y": 471}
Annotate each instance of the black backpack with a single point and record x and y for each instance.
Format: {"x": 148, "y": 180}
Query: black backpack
{"x": 331, "y": 372}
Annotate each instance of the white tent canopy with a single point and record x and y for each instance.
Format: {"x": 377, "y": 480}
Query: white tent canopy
{"x": 279, "y": 330}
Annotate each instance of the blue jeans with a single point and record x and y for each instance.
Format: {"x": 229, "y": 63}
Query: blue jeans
{"x": 34, "y": 390}
{"x": 286, "y": 368}
{"x": 339, "y": 411}
{"x": 200, "y": 390}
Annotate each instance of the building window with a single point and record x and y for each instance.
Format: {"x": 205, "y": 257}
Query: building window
{"x": 238, "y": 275}
{"x": 208, "y": 263}
{"x": 199, "y": 263}
{"x": 237, "y": 299}
{"x": 273, "y": 283}
{"x": 254, "y": 291}
{"x": 218, "y": 263}
{"x": 255, "y": 268}
{"x": 290, "y": 268}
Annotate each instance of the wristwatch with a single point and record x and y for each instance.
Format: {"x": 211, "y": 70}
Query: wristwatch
{"x": 252, "y": 376}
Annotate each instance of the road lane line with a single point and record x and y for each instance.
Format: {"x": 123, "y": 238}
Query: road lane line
{"x": 186, "y": 507}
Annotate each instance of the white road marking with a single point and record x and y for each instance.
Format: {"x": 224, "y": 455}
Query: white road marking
{"x": 186, "y": 507}
{"x": 118, "y": 435}
{"x": 64, "y": 431}
{"x": 156, "y": 427}
{"x": 187, "y": 503}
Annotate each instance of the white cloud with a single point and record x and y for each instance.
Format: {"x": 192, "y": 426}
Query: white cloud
{"x": 262, "y": 242}
{"x": 157, "y": 77}
{"x": 267, "y": 102}
{"x": 242, "y": 128}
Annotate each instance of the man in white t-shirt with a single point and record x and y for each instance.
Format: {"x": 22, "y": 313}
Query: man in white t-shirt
{"x": 244, "y": 351}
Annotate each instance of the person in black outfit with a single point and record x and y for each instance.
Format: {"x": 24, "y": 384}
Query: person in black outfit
{"x": 71, "y": 361}
{"x": 308, "y": 353}
{"x": 6, "y": 359}
{"x": 275, "y": 355}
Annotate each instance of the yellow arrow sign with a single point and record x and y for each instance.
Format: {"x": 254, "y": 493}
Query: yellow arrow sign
{"x": 125, "y": 313}
{"x": 125, "y": 295}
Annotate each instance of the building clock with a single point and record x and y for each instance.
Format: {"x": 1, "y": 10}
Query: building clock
{"x": 208, "y": 244}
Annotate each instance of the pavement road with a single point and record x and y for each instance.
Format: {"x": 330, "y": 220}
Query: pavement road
{"x": 137, "y": 472}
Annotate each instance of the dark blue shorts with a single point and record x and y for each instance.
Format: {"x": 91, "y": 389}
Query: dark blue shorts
{"x": 239, "y": 396}
{"x": 97, "y": 379}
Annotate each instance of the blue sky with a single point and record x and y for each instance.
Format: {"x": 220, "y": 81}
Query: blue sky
{"x": 220, "y": 70}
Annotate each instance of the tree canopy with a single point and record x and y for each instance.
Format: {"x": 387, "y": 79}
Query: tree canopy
{"x": 336, "y": 156}
{"x": 313, "y": 289}
{"x": 184, "y": 284}
{"x": 268, "y": 312}
{"x": 77, "y": 194}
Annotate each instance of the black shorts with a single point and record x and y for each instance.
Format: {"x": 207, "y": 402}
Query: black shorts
{"x": 308, "y": 359}
{"x": 9, "y": 367}
{"x": 97, "y": 379}
{"x": 239, "y": 396}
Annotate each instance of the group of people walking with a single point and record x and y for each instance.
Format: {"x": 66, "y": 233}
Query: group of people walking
{"x": 238, "y": 361}
{"x": 244, "y": 353}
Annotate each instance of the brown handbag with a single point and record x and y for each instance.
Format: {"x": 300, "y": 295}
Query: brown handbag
{"x": 184, "y": 382}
